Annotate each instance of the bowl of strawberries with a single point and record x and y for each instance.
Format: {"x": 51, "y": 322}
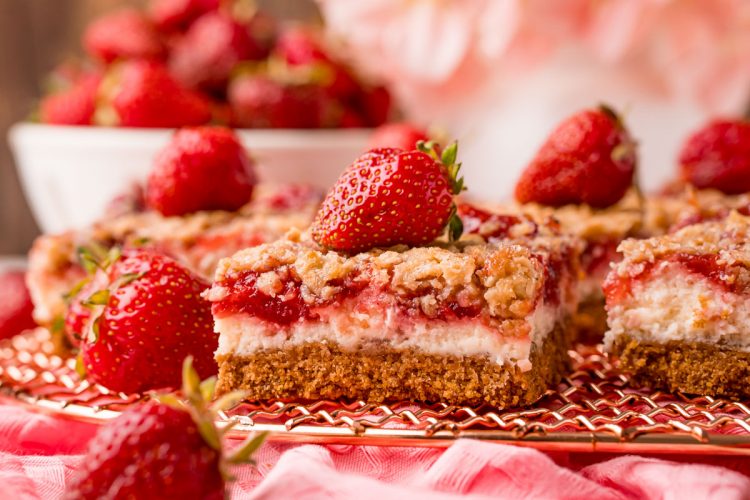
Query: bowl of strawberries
{"x": 300, "y": 111}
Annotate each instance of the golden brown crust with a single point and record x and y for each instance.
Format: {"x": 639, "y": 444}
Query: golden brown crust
{"x": 590, "y": 321}
{"x": 321, "y": 370}
{"x": 691, "y": 367}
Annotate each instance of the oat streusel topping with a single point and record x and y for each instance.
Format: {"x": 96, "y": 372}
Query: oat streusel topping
{"x": 618, "y": 221}
{"x": 728, "y": 239}
{"x": 506, "y": 278}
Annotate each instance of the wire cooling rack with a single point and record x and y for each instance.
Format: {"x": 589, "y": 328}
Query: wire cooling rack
{"x": 593, "y": 409}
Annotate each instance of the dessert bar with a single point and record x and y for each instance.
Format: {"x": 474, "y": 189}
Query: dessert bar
{"x": 678, "y": 309}
{"x": 468, "y": 322}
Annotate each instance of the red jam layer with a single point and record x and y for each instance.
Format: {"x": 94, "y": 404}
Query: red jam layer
{"x": 597, "y": 256}
{"x": 288, "y": 306}
{"x": 617, "y": 288}
{"x": 474, "y": 218}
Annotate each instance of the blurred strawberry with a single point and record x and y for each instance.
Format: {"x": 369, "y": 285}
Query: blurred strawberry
{"x": 212, "y": 47}
{"x": 143, "y": 94}
{"x": 397, "y": 135}
{"x": 72, "y": 106}
{"x": 589, "y": 158}
{"x": 126, "y": 34}
{"x": 718, "y": 156}
{"x": 350, "y": 118}
{"x": 203, "y": 168}
{"x": 15, "y": 304}
{"x": 376, "y": 105}
{"x": 299, "y": 47}
{"x": 176, "y": 15}
{"x": 260, "y": 102}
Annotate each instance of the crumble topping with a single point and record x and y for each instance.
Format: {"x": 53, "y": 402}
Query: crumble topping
{"x": 506, "y": 278}
{"x": 726, "y": 239}
{"x": 616, "y": 222}
{"x": 688, "y": 205}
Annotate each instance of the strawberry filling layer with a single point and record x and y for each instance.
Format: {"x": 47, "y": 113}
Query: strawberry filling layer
{"x": 617, "y": 288}
{"x": 597, "y": 256}
{"x": 287, "y": 306}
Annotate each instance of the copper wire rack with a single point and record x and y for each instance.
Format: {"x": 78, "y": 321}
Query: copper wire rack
{"x": 593, "y": 409}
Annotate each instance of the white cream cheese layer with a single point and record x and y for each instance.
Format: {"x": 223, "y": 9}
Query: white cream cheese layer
{"x": 675, "y": 305}
{"x": 242, "y": 335}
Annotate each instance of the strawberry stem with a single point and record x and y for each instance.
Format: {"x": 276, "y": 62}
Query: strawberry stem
{"x": 455, "y": 225}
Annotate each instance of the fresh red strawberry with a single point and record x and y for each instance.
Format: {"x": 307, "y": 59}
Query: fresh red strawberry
{"x": 145, "y": 322}
{"x": 261, "y": 102}
{"x": 589, "y": 158}
{"x": 718, "y": 156}
{"x": 15, "y": 304}
{"x": 389, "y": 197}
{"x": 213, "y": 46}
{"x": 123, "y": 34}
{"x": 172, "y": 15}
{"x": 203, "y": 168}
{"x": 143, "y": 94}
{"x": 166, "y": 450}
{"x": 72, "y": 106}
{"x": 397, "y": 135}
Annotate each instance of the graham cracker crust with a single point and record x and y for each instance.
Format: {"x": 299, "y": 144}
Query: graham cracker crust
{"x": 590, "y": 322}
{"x": 691, "y": 367}
{"x": 318, "y": 370}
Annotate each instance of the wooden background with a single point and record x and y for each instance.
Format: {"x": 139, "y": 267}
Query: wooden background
{"x": 34, "y": 36}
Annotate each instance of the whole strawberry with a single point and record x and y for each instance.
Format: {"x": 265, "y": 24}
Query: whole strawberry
{"x": 169, "y": 450}
{"x": 147, "y": 319}
{"x": 391, "y": 196}
{"x": 213, "y": 45}
{"x": 74, "y": 105}
{"x": 143, "y": 94}
{"x": 15, "y": 304}
{"x": 589, "y": 158}
{"x": 718, "y": 156}
{"x": 261, "y": 102}
{"x": 397, "y": 135}
{"x": 204, "y": 168}
{"x": 171, "y": 15}
{"x": 123, "y": 34}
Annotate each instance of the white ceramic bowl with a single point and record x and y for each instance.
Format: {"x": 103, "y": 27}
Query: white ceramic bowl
{"x": 69, "y": 174}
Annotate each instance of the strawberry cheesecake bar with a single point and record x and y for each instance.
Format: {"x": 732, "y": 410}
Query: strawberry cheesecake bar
{"x": 197, "y": 240}
{"x": 601, "y": 230}
{"x": 678, "y": 308}
{"x": 468, "y": 322}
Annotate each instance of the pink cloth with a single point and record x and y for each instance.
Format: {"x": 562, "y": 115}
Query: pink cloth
{"x": 38, "y": 455}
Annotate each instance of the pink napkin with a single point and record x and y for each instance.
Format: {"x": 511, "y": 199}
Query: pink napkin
{"x": 38, "y": 455}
